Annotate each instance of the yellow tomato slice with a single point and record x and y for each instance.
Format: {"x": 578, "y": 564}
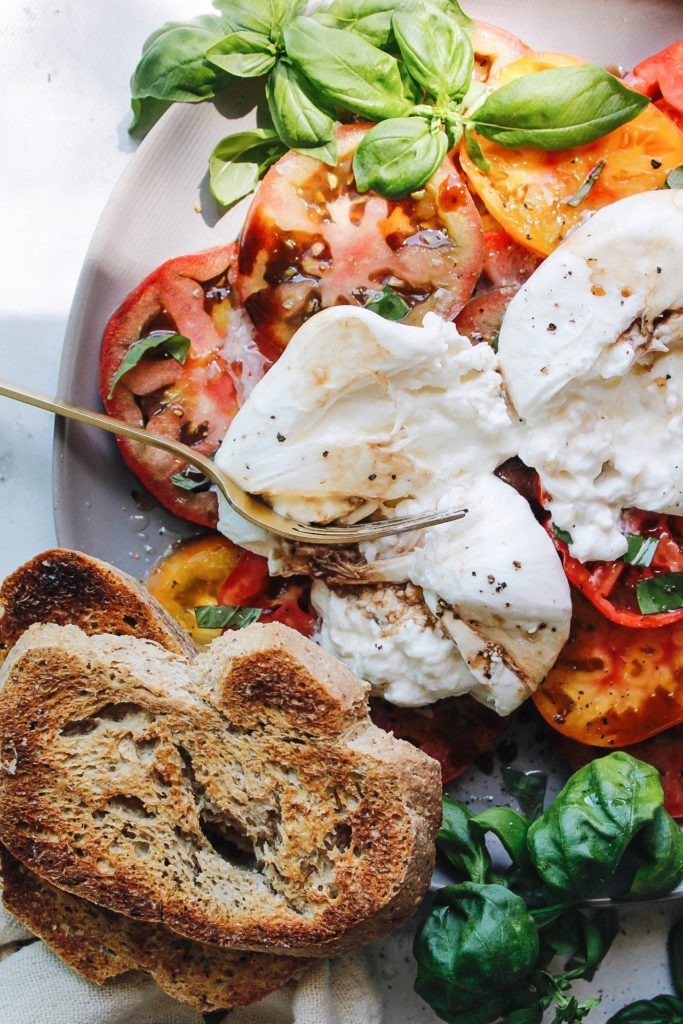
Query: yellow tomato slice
{"x": 527, "y": 190}
{"x": 613, "y": 686}
{"x": 190, "y": 576}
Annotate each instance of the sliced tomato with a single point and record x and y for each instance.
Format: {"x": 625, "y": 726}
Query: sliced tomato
{"x": 613, "y": 686}
{"x": 527, "y": 190}
{"x": 455, "y": 731}
{"x": 287, "y": 601}
{"x": 195, "y": 402}
{"x": 664, "y": 751}
{"x": 493, "y": 49}
{"x": 507, "y": 264}
{"x": 661, "y": 78}
{"x": 190, "y": 576}
{"x": 481, "y": 317}
{"x": 311, "y": 241}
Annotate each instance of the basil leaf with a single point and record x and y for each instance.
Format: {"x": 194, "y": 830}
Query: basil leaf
{"x": 510, "y": 828}
{"x": 243, "y": 54}
{"x": 173, "y": 66}
{"x": 298, "y": 120}
{"x": 346, "y": 70}
{"x": 594, "y": 940}
{"x": 191, "y": 479}
{"x": 464, "y": 847}
{"x": 146, "y": 112}
{"x": 528, "y": 789}
{"x": 557, "y": 108}
{"x": 584, "y": 190}
{"x": 476, "y": 153}
{"x": 372, "y": 18}
{"x": 578, "y": 842}
{"x": 640, "y": 550}
{"x": 238, "y": 161}
{"x": 222, "y": 616}
{"x": 398, "y": 156}
{"x": 388, "y": 304}
{"x": 661, "y": 843}
{"x": 436, "y": 50}
{"x": 675, "y": 950}
{"x": 660, "y": 593}
{"x": 561, "y": 534}
{"x": 674, "y": 179}
{"x": 476, "y": 942}
{"x": 246, "y": 16}
{"x": 176, "y": 345}
{"x": 660, "y": 1010}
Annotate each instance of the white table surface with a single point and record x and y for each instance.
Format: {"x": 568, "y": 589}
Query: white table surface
{"x": 64, "y": 70}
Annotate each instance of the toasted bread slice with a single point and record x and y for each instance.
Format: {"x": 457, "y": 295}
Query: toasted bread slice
{"x": 101, "y": 944}
{"x": 243, "y": 799}
{"x": 68, "y": 587}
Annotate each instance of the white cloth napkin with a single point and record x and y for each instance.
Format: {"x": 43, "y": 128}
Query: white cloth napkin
{"x": 37, "y": 988}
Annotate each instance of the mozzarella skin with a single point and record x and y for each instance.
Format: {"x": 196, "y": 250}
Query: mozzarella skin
{"x": 591, "y": 351}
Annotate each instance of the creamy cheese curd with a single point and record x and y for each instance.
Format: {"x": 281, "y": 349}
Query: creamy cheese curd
{"x": 590, "y": 350}
{"x": 360, "y": 412}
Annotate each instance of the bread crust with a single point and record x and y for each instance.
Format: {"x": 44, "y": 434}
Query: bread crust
{"x": 101, "y": 944}
{"x": 264, "y": 737}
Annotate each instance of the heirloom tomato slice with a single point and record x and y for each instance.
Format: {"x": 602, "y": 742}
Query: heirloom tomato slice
{"x": 493, "y": 49}
{"x": 311, "y": 240}
{"x": 527, "y": 190}
{"x": 613, "y": 686}
{"x": 661, "y": 78}
{"x": 193, "y": 402}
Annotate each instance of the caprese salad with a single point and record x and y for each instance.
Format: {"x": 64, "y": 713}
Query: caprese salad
{"x": 458, "y": 283}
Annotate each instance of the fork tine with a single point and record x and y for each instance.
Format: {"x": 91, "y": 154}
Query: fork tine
{"x": 377, "y": 528}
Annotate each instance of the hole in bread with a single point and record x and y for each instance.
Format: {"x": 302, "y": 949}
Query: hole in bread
{"x": 131, "y": 621}
{"x": 79, "y": 727}
{"x": 126, "y": 712}
{"x": 228, "y": 842}
{"x": 131, "y": 806}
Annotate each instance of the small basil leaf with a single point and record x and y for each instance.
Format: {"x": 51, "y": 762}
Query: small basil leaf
{"x": 464, "y": 847}
{"x": 578, "y": 842}
{"x": 398, "y": 156}
{"x": 346, "y": 70}
{"x": 238, "y": 161}
{"x": 372, "y": 18}
{"x": 660, "y": 1010}
{"x": 476, "y": 153}
{"x": 640, "y": 550}
{"x": 176, "y": 345}
{"x": 146, "y": 112}
{"x": 526, "y": 1014}
{"x": 191, "y": 479}
{"x": 594, "y": 940}
{"x": 388, "y": 304}
{"x": 224, "y": 616}
{"x": 510, "y": 828}
{"x": 675, "y": 950}
{"x": 660, "y": 593}
{"x": 243, "y": 54}
{"x": 561, "y": 534}
{"x": 327, "y": 153}
{"x": 437, "y": 52}
{"x": 674, "y": 179}
{"x": 528, "y": 789}
{"x": 478, "y": 941}
{"x": 584, "y": 190}
{"x": 557, "y": 108}
{"x": 298, "y": 120}
{"x": 661, "y": 843}
{"x": 173, "y": 66}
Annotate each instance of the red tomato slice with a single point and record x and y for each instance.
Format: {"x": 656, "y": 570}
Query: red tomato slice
{"x": 481, "y": 317}
{"x": 506, "y": 263}
{"x": 311, "y": 241}
{"x": 613, "y": 686}
{"x": 282, "y": 601}
{"x": 664, "y": 751}
{"x": 455, "y": 731}
{"x": 661, "y": 78}
{"x": 195, "y": 402}
{"x": 493, "y": 49}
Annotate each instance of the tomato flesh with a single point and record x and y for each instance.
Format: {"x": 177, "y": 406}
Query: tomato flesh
{"x": 481, "y": 317}
{"x": 611, "y": 685}
{"x": 194, "y": 402}
{"x": 311, "y": 241}
{"x": 282, "y": 601}
{"x": 493, "y": 49}
{"x": 527, "y": 190}
{"x": 661, "y": 78}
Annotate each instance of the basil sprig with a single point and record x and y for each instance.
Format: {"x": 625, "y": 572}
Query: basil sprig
{"x": 406, "y": 65}
{"x": 388, "y": 304}
{"x": 485, "y": 949}
{"x": 238, "y": 161}
{"x": 175, "y": 345}
{"x": 225, "y": 616}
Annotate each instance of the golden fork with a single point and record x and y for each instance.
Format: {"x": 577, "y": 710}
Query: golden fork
{"x": 250, "y": 508}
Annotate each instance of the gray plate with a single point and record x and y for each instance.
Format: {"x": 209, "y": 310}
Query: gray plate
{"x": 161, "y": 208}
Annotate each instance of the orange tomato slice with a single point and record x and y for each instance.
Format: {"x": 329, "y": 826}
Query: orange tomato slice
{"x": 190, "y": 576}
{"x": 527, "y": 190}
{"x": 613, "y": 686}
